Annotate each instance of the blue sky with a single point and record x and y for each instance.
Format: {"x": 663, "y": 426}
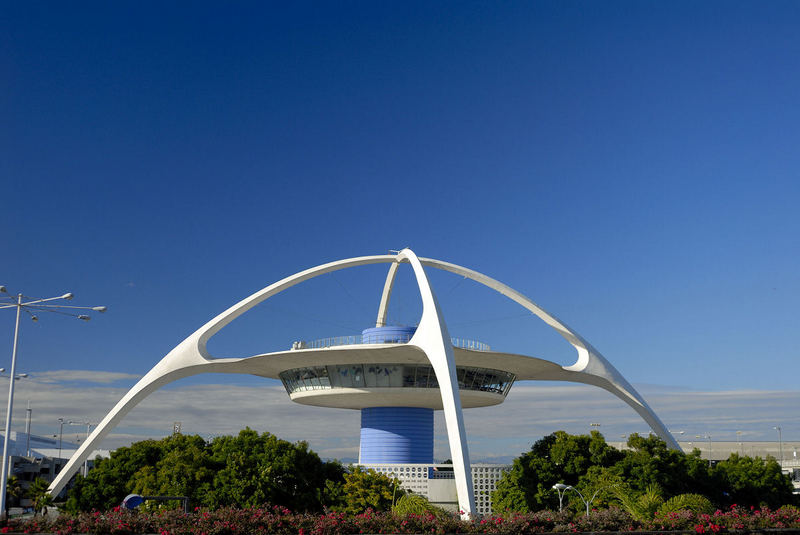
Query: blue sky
{"x": 631, "y": 166}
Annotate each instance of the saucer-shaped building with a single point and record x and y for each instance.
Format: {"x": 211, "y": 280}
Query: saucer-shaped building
{"x": 396, "y": 376}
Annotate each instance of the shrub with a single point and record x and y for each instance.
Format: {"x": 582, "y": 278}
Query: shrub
{"x": 696, "y": 503}
{"x": 414, "y": 504}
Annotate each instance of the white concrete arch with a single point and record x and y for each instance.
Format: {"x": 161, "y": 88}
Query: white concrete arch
{"x": 191, "y": 357}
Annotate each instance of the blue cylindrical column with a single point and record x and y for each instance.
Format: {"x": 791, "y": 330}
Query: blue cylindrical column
{"x": 396, "y": 435}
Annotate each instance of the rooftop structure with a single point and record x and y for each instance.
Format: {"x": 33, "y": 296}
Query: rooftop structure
{"x": 397, "y": 376}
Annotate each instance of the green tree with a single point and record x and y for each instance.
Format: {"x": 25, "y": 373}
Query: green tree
{"x": 14, "y": 490}
{"x": 182, "y": 470}
{"x": 367, "y": 489}
{"x": 244, "y": 470}
{"x": 752, "y": 481}
{"x": 649, "y": 461}
{"x": 556, "y": 458}
{"x": 39, "y": 495}
{"x": 252, "y": 469}
{"x": 111, "y": 479}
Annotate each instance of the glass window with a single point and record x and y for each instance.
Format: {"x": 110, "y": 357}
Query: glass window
{"x": 460, "y": 373}
{"x": 409, "y": 372}
{"x": 421, "y": 380}
{"x": 357, "y": 374}
{"x": 391, "y": 376}
{"x": 371, "y": 375}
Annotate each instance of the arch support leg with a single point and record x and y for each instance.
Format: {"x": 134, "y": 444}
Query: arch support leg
{"x": 434, "y": 340}
{"x": 171, "y": 368}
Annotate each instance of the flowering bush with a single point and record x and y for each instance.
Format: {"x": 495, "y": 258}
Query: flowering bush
{"x": 281, "y": 521}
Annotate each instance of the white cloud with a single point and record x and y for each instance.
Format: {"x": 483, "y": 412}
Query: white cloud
{"x": 85, "y": 376}
{"x": 531, "y": 411}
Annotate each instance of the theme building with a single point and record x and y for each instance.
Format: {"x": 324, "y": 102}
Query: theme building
{"x": 396, "y": 377}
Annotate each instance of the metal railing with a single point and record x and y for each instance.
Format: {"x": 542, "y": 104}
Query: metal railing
{"x": 373, "y": 338}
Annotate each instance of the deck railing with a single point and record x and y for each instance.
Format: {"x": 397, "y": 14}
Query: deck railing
{"x": 357, "y": 339}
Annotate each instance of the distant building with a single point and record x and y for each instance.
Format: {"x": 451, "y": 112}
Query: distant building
{"x": 35, "y": 456}
{"x": 437, "y": 482}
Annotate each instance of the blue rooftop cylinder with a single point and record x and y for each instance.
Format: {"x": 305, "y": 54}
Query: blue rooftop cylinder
{"x": 396, "y": 435}
{"x": 387, "y": 335}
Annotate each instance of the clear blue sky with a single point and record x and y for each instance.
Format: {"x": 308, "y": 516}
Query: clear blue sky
{"x": 631, "y": 166}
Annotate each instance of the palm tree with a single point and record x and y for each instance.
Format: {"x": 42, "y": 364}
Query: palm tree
{"x": 14, "y": 489}
{"x": 39, "y": 495}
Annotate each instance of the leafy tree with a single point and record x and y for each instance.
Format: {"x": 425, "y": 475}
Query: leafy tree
{"x": 752, "y": 481}
{"x": 252, "y": 469}
{"x": 649, "y": 461}
{"x": 244, "y": 470}
{"x": 182, "y": 470}
{"x": 601, "y": 485}
{"x": 111, "y": 479}
{"x": 368, "y": 489}
{"x": 38, "y": 494}
{"x": 556, "y": 458}
{"x": 639, "y": 478}
{"x": 14, "y": 490}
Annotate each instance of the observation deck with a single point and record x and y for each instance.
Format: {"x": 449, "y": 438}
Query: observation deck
{"x": 402, "y": 338}
{"x": 374, "y": 379}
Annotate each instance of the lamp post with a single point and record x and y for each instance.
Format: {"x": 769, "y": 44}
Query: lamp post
{"x": 88, "y": 430}
{"x": 739, "y": 437}
{"x": 22, "y": 302}
{"x": 710, "y": 447}
{"x": 780, "y": 442}
{"x": 562, "y": 488}
{"x": 60, "y": 435}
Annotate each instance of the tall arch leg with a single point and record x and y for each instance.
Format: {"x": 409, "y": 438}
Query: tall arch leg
{"x": 434, "y": 340}
{"x": 383, "y": 308}
{"x": 176, "y": 365}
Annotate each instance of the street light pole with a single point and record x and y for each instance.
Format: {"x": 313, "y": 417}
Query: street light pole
{"x": 28, "y": 430}
{"x": 11, "y": 381}
{"x": 60, "y": 434}
{"x": 562, "y": 488}
{"x": 88, "y": 431}
{"x": 710, "y": 446}
{"x": 780, "y": 442}
{"x": 37, "y": 305}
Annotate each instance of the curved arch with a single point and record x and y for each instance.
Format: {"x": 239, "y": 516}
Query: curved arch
{"x": 191, "y": 357}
